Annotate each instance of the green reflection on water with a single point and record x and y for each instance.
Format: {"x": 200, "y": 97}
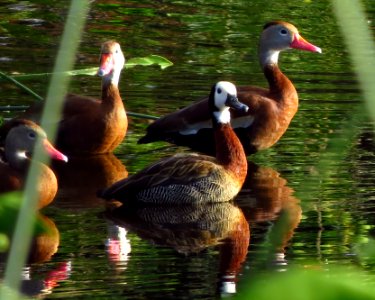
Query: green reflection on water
{"x": 208, "y": 41}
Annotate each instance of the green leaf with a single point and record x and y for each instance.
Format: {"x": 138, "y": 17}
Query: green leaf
{"x": 4, "y": 242}
{"x": 162, "y": 62}
{"x": 149, "y": 60}
{"x": 10, "y": 204}
{"x": 317, "y": 283}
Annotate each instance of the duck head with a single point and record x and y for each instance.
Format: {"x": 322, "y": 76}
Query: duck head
{"x": 278, "y": 36}
{"x": 20, "y": 143}
{"x": 223, "y": 96}
{"x": 112, "y": 61}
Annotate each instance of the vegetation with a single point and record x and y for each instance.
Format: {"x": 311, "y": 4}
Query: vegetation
{"x": 333, "y": 282}
{"x": 309, "y": 282}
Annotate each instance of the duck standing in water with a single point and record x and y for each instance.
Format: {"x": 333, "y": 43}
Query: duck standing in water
{"x": 20, "y": 139}
{"x": 270, "y": 110}
{"x": 193, "y": 178}
{"x": 91, "y": 126}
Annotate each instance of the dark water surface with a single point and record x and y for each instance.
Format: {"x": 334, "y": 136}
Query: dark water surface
{"x": 198, "y": 253}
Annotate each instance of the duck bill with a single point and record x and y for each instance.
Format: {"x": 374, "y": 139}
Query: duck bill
{"x": 233, "y": 102}
{"x": 106, "y": 64}
{"x": 53, "y": 152}
{"x": 300, "y": 43}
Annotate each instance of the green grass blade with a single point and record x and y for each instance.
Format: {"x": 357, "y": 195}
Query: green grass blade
{"x": 23, "y": 231}
{"x": 20, "y": 85}
{"x": 360, "y": 43}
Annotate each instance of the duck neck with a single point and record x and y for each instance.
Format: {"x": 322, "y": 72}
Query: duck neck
{"x": 110, "y": 91}
{"x": 229, "y": 150}
{"x": 280, "y": 87}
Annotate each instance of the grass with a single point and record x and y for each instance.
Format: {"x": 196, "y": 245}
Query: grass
{"x": 332, "y": 282}
{"x": 57, "y": 89}
{"x": 300, "y": 283}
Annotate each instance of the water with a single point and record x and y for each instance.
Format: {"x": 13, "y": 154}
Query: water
{"x": 183, "y": 254}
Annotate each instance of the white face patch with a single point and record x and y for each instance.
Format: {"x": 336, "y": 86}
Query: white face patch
{"x": 119, "y": 62}
{"x": 222, "y": 89}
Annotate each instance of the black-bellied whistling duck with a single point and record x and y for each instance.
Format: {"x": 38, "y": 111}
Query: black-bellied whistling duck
{"x": 91, "y": 126}
{"x": 14, "y": 162}
{"x": 192, "y": 178}
{"x": 270, "y": 113}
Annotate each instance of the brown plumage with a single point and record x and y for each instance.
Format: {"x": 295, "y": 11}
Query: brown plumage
{"x": 93, "y": 126}
{"x": 192, "y": 178}
{"x": 271, "y": 110}
{"x": 19, "y": 143}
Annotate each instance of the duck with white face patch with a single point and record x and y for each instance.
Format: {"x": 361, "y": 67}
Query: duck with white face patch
{"x": 270, "y": 109}
{"x": 192, "y": 178}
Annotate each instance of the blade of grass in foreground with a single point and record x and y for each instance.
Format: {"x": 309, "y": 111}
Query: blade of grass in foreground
{"x": 359, "y": 41}
{"x": 333, "y": 283}
{"x": 57, "y": 89}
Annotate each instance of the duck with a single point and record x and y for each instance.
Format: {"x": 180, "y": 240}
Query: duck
{"x": 271, "y": 109}
{"x": 190, "y": 178}
{"x": 20, "y": 138}
{"x": 90, "y": 126}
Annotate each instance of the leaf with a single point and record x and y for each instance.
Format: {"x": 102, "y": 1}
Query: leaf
{"x": 162, "y": 62}
{"x": 149, "y": 60}
{"x": 10, "y": 204}
{"x": 320, "y": 283}
{"x": 4, "y": 242}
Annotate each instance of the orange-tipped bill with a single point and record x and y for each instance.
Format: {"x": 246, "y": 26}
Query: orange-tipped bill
{"x": 106, "y": 64}
{"x": 53, "y": 152}
{"x": 300, "y": 43}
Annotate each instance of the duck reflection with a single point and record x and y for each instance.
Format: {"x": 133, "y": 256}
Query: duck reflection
{"x": 190, "y": 229}
{"x": 265, "y": 196}
{"x": 37, "y": 278}
{"x": 44, "y": 245}
{"x": 81, "y": 178}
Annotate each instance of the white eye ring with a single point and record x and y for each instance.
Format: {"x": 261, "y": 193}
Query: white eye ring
{"x": 283, "y": 31}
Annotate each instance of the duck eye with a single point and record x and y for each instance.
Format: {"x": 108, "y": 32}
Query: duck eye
{"x": 219, "y": 90}
{"x": 32, "y": 135}
{"x": 283, "y": 31}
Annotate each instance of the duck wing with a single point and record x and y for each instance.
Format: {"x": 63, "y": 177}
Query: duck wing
{"x": 182, "y": 170}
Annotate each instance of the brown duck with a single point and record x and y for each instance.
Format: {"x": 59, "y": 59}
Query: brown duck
{"x": 20, "y": 139}
{"x": 91, "y": 126}
{"x": 270, "y": 110}
{"x": 193, "y": 178}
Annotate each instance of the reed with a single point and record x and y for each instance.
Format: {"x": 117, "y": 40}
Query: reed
{"x": 55, "y": 96}
{"x": 332, "y": 281}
